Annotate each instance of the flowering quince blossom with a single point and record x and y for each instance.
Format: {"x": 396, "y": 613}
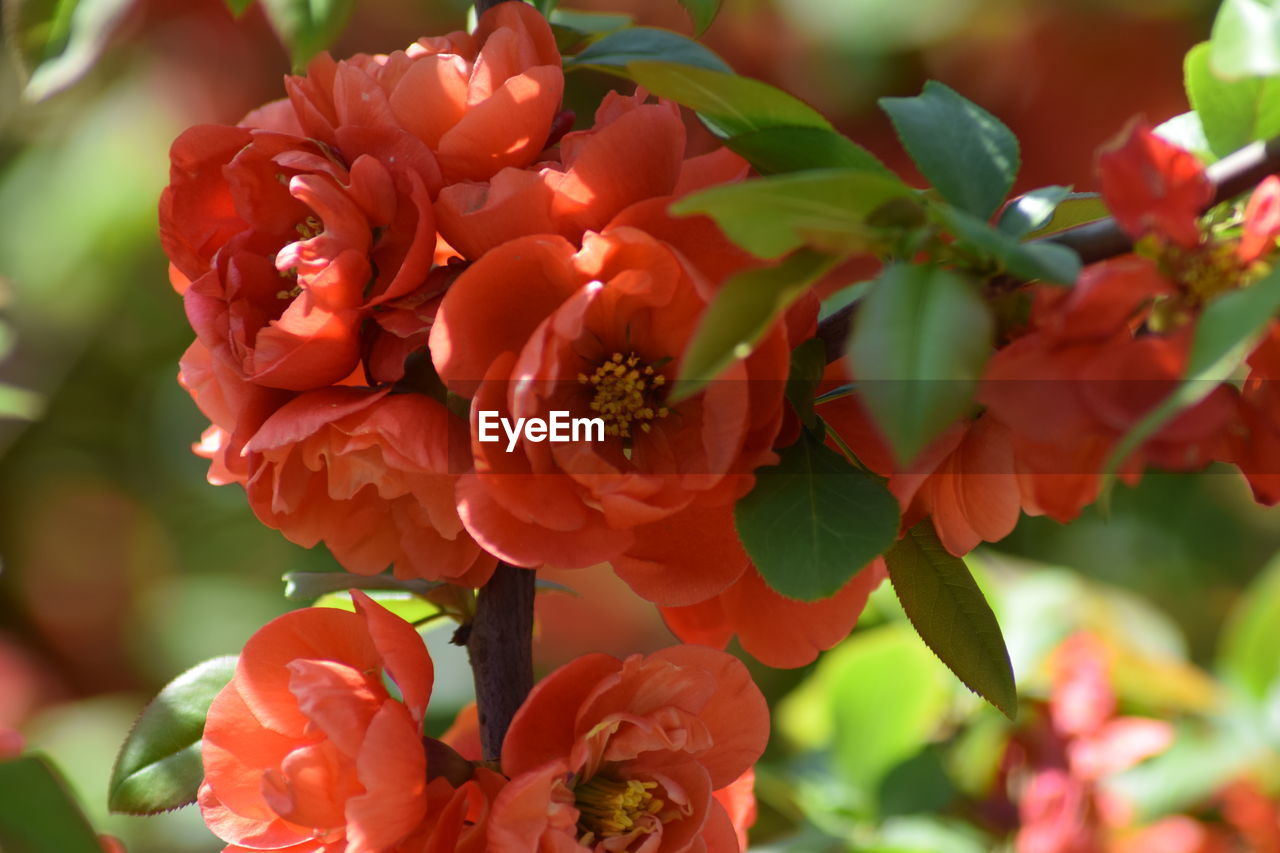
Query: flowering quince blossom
{"x": 599, "y": 331}
{"x": 1060, "y": 766}
{"x": 1097, "y": 357}
{"x": 646, "y": 754}
{"x": 306, "y": 750}
{"x": 288, "y": 233}
{"x": 775, "y": 630}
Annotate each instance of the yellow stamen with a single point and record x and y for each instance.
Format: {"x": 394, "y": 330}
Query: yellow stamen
{"x": 608, "y": 808}
{"x": 624, "y": 390}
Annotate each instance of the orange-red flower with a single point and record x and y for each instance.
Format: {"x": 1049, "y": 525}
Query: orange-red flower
{"x": 372, "y": 475}
{"x": 599, "y": 332}
{"x": 775, "y": 630}
{"x": 280, "y": 248}
{"x": 610, "y": 755}
{"x": 305, "y": 749}
{"x": 635, "y": 151}
{"x": 1153, "y": 186}
{"x": 480, "y": 102}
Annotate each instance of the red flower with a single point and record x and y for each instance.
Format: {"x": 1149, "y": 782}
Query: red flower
{"x": 305, "y": 750}
{"x": 480, "y": 103}
{"x": 599, "y": 332}
{"x": 586, "y": 188}
{"x": 1151, "y": 185}
{"x": 615, "y": 755}
{"x": 285, "y": 311}
{"x": 372, "y": 476}
{"x": 775, "y": 630}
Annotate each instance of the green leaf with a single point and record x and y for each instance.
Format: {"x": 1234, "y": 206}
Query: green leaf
{"x": 407, "y": 605}
{"x": 943, "y": 602}
{"x": 307, "y": 26}
{"x": 572, "y": 29}
{"x": 963, "y": 150}
{"x": 729, "y": 104}
{"x": 792, "y": 149}
{"x": 1075, "y": 209}
{"x": 808, "y": 361}
{"x": 813, "y": 520}
{"x": 1186, "y": 131}
{"x": 1226, "y": 333}
{"x": 1246, "y": 39}
{"x": 59, "y": 42}
{"x": 1031, "y": 261}
{"x": 238, "y": 7}
{"x": 826, "y": 209}
{"x": 740, "y": 314}
{"x": 308, "y": 586}
{"x": 1233, "y": 113}
{"x": 844, "y": 704}
{"x": 920, "y": 341}
{"x": 703, "y": 12}
{"x": 1032, "y": 211}
{"x": 159, "y": 765}
{"x": 1248, "y": 654}
{"x": 618, "y": 51}
{"x": 38, "y": 813}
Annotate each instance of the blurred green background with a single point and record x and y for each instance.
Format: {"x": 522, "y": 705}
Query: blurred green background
{"x": 122, "y": 567}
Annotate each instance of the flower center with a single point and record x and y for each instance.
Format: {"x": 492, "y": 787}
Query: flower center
{"x": 608, "y": 808}
{"x": 625, "y": 394}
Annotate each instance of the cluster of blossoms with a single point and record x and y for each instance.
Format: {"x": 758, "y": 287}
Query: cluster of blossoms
{"x": 410, "y": 237}
{"x": 409, "y": 240}
{"x": 316, "y": 746}
{"x": 1087, "y": 363}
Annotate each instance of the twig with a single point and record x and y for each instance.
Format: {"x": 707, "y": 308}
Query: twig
{"x": 500, "y": 645}
{"x": 1097, "y": 241}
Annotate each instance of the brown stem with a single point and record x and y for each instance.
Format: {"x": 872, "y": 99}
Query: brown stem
{"x": 1097, "y": 241}
{"x": 500, "y": 645}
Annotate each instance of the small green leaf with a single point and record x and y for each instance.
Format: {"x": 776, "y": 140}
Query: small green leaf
{"x": 1233, "y": 113}
{"x": 61, "y": 41}
{"x": 920, "y": 341}
{"x": 792, "y": 149}
{"x": 730, "y": 105}
{"x": 740, "y": 314}
{"x": 948, "y": 610}
{"x": 1032, "y": 211}
{"x": 573, "y": 29}
{"x": 38, "y": 813}
{"x": 1031, "y": 261}
{"x": 702, "y": 12}
{"x": 826, "y": 209}
{"x": 238, "y": 7}
{"x": 1248, "y": 654}
{"x": 1226, "y": 333}
{"x": 813, "y": 520}
{"x": 1075, "y": 209}
{"x": 407, "y": 605}
{"x": 307, "y": 26}
{"x": 807, "y": 364}
{"x": 1186, "y": 131}
{"x": 963, "y": 150}
{"x": 618, "y": 51}
{"x": 1246, "y": 39}
{"x": 159, "y": 765}
{"x": 308, "y": 586}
